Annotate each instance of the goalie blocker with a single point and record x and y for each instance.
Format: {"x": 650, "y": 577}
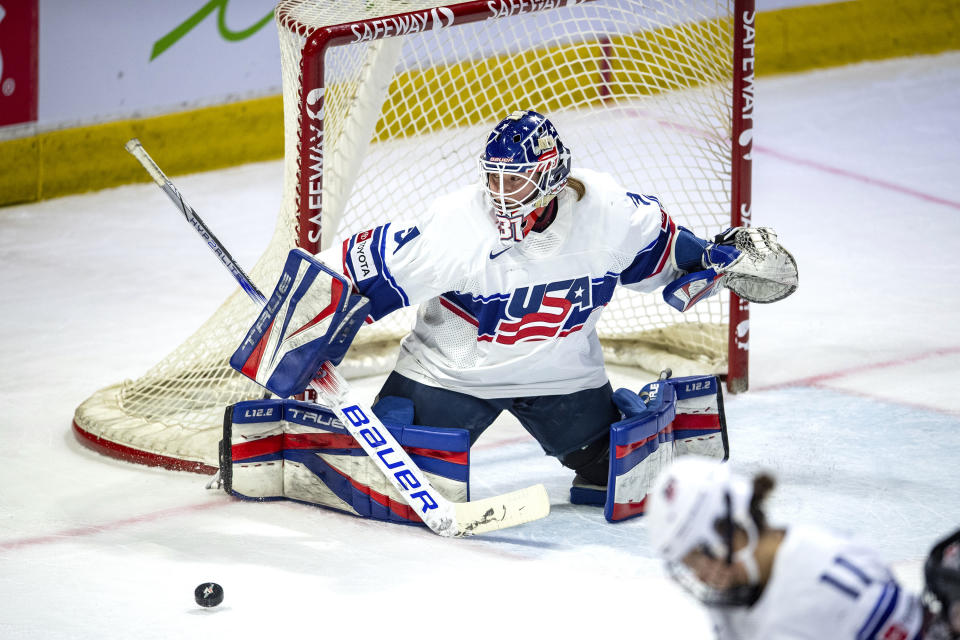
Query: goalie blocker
{"x": 310, "y": 318}
{"x": 667, "y": 419}
{"x": 287, "y": 449}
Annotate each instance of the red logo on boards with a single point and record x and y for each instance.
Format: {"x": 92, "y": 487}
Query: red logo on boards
{"x": 18, "y": 62}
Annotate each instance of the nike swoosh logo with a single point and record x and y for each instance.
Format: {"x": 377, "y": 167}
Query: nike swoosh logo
{"x": 493, "y": 255}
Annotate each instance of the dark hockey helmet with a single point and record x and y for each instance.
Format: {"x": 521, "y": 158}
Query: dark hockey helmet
{"x": 942, "y": 588}
{"x": 524, "y": 165}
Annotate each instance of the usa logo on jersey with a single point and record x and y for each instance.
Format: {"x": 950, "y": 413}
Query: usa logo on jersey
{"x": 544, "y": 311}
{"x": 531, "y": 314}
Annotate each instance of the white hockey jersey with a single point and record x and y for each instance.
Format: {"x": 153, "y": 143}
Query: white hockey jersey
{"x": 824, "y": 586}
{"x": 520, "y": 321}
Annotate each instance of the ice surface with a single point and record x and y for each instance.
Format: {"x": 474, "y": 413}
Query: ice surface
{"x": 854, "y": 405}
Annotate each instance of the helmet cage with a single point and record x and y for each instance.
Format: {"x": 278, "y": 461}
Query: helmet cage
{"x": 514, "y": 189}
{"x": 524, "y": 145}
{"x": 718, "y": 546}
{"x": 742, "y": 595}
{"x": 697, "y": 508}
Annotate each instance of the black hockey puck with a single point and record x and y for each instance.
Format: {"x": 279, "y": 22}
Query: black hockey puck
{"x": 208, "y": 594}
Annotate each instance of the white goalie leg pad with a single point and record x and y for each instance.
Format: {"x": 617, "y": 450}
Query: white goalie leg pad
{"x": 251, "y": 465}
{"x": 667, "y": 419}
{"x": 700, "y": 425}
{"x": 300, "y": 451}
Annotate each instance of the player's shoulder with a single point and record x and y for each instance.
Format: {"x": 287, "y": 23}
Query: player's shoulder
{"x": 619, "y": 216}
{"x": 460, "y": 197}
{"x": 599, "y": 186}
{"x": 796, "y": 586}
{"x": 457, "y": 227}
{"x": 832, "y": 559}
{"x": 458, "y": 211}
{"x": 817, "y": 544}
{"x": 605, "y": 195}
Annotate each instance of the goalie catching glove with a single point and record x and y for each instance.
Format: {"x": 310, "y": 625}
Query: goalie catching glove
{"x": 310, "y": 318}
{"x": 749, "y": 261}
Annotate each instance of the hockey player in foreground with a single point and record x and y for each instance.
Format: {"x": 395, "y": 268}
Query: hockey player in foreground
{"x": 511, "y": 275}
{"x": 761, "y": 582}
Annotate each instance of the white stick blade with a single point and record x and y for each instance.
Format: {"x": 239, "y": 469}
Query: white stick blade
{"x": 500, "y": 512}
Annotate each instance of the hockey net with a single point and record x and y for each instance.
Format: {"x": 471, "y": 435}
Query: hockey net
{"x": 387, "y": 104}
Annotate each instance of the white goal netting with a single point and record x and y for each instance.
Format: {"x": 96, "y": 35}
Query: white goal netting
{"x": 387, "y": 104}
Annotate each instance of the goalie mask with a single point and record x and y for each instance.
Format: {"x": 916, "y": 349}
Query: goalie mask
{"x": 523, "y": 167}
{"x": 692, "y": 513}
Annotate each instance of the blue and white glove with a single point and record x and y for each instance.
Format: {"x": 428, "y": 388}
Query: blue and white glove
{"x": 749, "y": 261}
{"x": 764, "y": 271}
{"x": 311, "y": 318}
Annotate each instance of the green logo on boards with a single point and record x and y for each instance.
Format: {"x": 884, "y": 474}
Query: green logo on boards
{"x": 220, "y": 6}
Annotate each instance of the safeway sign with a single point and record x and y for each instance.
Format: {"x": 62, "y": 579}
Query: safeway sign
{"x": 18, "y": 61}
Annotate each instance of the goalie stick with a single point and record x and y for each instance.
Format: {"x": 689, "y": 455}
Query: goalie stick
{"x": 446, "y": 518}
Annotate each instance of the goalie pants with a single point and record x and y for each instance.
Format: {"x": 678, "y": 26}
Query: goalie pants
{"x": 562, "y": 424}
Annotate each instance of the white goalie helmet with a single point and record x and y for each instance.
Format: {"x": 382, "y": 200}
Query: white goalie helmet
{"x": 695, "y": 505}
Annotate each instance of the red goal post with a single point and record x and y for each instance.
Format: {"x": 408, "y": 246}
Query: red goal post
{"x": 384, "y": 110}
{"x": 311, "y": 117}
{"x": 741, "y": 161}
